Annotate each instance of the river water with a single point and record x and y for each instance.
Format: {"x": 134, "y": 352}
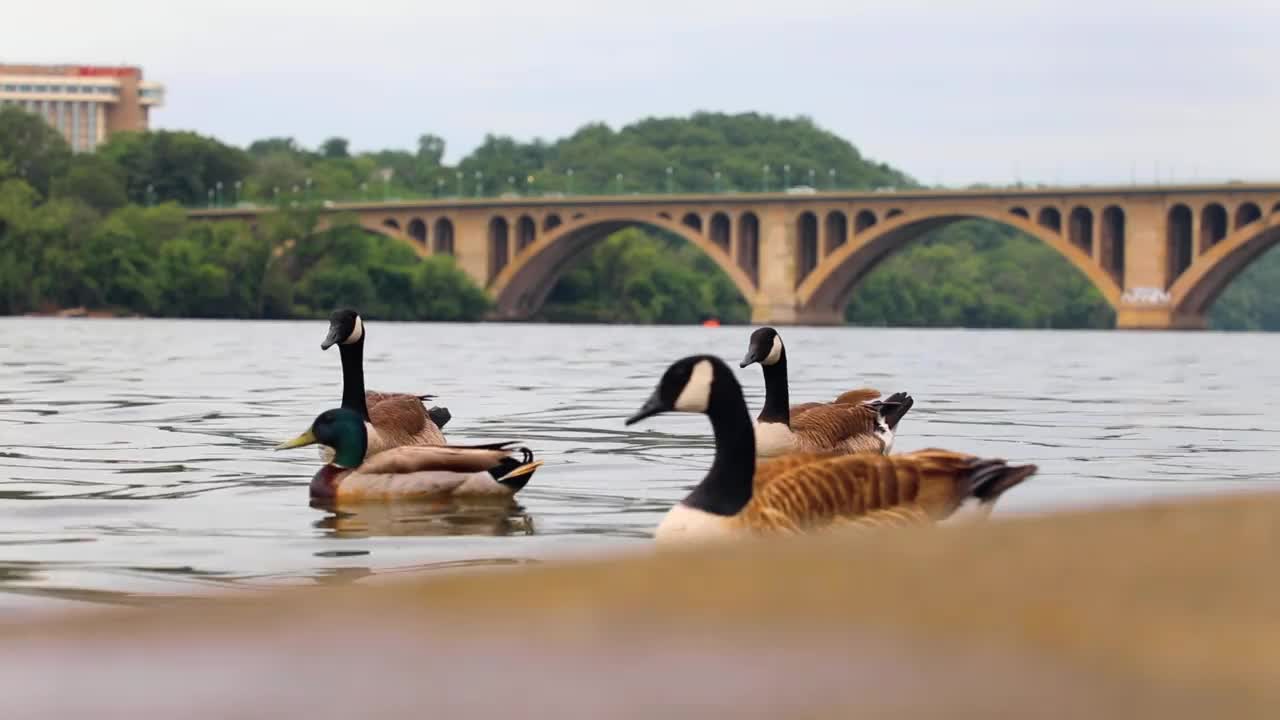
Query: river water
{"x": 136, "y": 461}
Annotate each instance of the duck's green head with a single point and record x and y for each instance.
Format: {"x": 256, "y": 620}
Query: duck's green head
{"x": 341, "y": 429}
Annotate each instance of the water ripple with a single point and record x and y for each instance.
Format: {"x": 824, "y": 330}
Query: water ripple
{"x": 174, "y": 422}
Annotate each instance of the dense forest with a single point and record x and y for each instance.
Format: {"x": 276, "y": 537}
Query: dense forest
{"x": 106, "y": 230}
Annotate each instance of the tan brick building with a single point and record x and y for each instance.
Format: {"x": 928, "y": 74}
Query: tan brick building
{"x": 86, "y": 103}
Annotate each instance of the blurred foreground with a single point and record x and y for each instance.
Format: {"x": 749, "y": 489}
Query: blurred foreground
{"x": 1165, "y": 611}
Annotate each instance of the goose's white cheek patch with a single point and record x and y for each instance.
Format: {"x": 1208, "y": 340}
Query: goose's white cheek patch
{"x": 696, "y": 395}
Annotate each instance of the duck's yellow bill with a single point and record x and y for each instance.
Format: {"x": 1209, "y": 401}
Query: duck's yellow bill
{"x": 522, "y": 470}
{"x": 306, "y": 438}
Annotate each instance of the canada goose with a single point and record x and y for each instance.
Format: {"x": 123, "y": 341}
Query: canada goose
{"x": 801, "y": 492}
{"x": 848, "y": 397}
{"x": 416, "y": 471}
{"x": 395, "y": 419}
{"x": 848, "y": 424}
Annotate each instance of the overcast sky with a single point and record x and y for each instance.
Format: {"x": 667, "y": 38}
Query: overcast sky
{"x": 952, "y": 91}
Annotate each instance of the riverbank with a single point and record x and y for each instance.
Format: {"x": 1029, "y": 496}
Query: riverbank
{"x": 1165, "y": 610}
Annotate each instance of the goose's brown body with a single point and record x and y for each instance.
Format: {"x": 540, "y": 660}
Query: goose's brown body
{"x": 400, "y": 419}
{"x": 849, "y": 397}
{"x": 806, "y": 491}
{"x": 839, "y": 427}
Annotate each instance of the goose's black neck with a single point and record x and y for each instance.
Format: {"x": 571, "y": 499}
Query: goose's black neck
{"x": 777, "y": 399}
{"x": 726, "y": 489}
{"x": 353, "y": 377}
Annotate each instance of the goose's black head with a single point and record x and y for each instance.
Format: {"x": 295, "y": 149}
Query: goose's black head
{"x": 687, "y": 386}
{"x": 765, "y": 347}
{"x": 345, "y": 328}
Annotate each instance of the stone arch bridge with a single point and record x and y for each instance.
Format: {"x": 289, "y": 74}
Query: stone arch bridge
{"x": 1160, "y": 255}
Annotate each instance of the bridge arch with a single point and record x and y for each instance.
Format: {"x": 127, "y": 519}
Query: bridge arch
{"x": 443, "y": 237}
{"x": 526, "y": 232}
{"x": 1195, "y": 289}
{"x": 1213, "y": 226}
{"x": 806, "y": 245}
{"x": 417, "y": 230}
{"x": 498, "y": 246}
{"x": 522, "y": 286}
{"x": 837, "y": 231}
{"x": 829, "y": 287}
{"x": 386, "y": 228}
{"x": 863, "y": 220}
{"x": 1247, "y": 212}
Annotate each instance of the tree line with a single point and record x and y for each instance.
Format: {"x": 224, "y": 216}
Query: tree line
{"x": 106, "y": 230}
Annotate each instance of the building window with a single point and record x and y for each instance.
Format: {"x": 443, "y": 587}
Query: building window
{"x": 75, "y": 125}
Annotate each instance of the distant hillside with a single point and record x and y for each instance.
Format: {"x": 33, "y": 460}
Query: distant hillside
{"x": 77, "y": 230}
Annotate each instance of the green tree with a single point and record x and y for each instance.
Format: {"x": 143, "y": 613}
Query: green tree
{"x": 174, "y": 166}
{"x": 93, "y": 180}
{"x": 335, "y": 148}
{"x": 30, "y": 149}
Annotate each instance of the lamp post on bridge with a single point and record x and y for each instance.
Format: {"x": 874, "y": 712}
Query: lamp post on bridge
{"x": 812, "y": 183}
{"x": 479, "y": 183}
{"x": 786, "y": 176}
{"x": 831, "y": 178}
{"x": 715, "y": 180}
{"x": 210, "y": 197}
{"x": 668, "y": 179}
{"x": 218, "y": 193}
{"x": 568, "y": 181}
{"x": 619, "y": 178}
{"x": 511, "y": 183}
{"x": 237, "y": 195}
{"x": 528, "y": 185}
{"x": 764, "y": 178}
{"x": 386, "y": 174}
{"x": 439, "y": 186}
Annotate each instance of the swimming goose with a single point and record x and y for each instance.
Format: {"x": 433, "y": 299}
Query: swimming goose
{"x": 416, "y": 471}
{"x": 802, "y": 492}
{"x": 394, "y": 419}
{"x": 849, "y": 424}
{"x": 848, "y": 397}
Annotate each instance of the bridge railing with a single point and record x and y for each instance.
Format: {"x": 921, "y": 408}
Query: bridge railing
{"x": 216, "y": 198}
{"x": 301, "y": 198}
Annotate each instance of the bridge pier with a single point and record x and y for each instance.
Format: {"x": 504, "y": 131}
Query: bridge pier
{"x": 767, "y": 313}
{"x": 1158, "y": 318}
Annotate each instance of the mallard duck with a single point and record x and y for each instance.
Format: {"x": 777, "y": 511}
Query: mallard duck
{"x": 395, "y": 419}
{"x": 801, "y": 492}
{"x": 854, "y": 422}
{"x": 497, "y": 470}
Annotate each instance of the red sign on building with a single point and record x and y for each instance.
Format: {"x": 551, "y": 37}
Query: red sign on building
{"x": 94, "y": 71}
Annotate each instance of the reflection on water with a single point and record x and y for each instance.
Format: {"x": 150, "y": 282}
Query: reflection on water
{"x": 136, "y": 460}
{"x": 423, "y": 518}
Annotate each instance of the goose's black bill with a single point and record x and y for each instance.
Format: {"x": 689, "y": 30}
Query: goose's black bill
{"x": 333, "y": 338}
{"x": 653, "y": 406}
